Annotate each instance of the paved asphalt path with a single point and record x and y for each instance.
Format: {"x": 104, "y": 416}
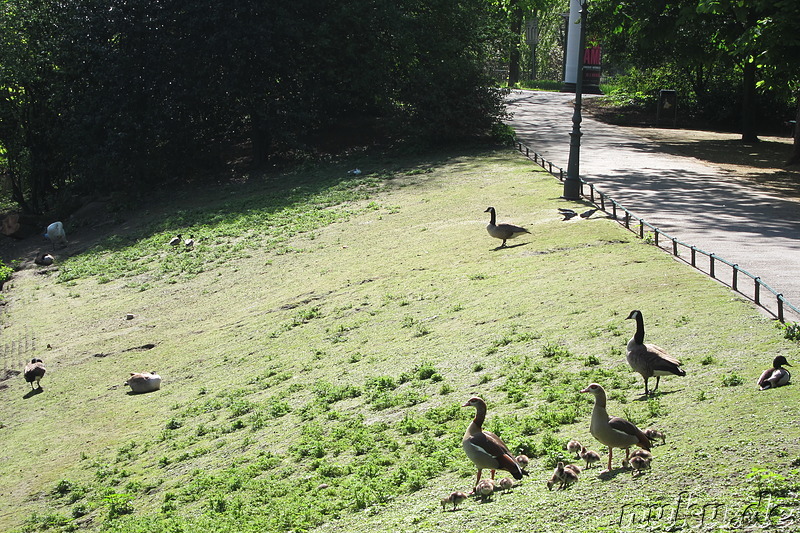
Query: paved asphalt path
{"x": 695, "y": 202}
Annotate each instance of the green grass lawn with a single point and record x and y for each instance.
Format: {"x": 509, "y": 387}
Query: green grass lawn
{"x": 318, "y": 342}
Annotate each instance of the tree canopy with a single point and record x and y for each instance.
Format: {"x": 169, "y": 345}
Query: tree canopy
{"x": 98, "y": 95}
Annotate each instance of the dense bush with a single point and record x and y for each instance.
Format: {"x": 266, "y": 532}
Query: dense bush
{"x": 130, "y": 94}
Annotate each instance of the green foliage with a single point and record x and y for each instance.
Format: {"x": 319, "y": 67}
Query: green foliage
{"x": 732, "y": 379}
{"x": 791, "y": 330}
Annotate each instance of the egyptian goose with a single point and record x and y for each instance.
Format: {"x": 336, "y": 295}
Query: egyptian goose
{"x": 590, "y": 456}
{"x": 614, "y": 432}
{"x": 484, "y": 489}
{"x": 502, "y": 231}
{"x": 654, "y": 434}
{"x": 34, "y": 371}
{"x": 648, "y": 359}
{"x": 639, "y": 464}
{"x": 484, "y": 448}
{"x": 574, "y": 446}
{"x": 455, "y": 498}
{"x": 144, "y": 382}
{"x": 505, "y": 484}
{"x": 775, "y": 376}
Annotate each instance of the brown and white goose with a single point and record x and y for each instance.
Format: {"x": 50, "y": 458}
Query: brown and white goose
{"x": 648, "y": 359}
{"x": 34, "y": 371}
{"x": 614, "y": 432}
{"x": 502, "y": 231}
{"x": 484, "y": 448}
{"x": 775, "y": 376}
{"x": 140, "y": 382}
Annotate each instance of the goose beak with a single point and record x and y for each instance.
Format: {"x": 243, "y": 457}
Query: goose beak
{"x": 585, "y": 390}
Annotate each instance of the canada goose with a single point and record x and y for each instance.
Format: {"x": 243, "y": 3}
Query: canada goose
{"x": 34, "y": 371}
{"x": 484, "y": 489}
{"x": 574, "y": 446}
{"x": 639, "y": 464}
{"x": 144, "y": 382}
{"x": 505, "y": 484}
{"x": 55, "y": 233}
{"x": 590, "y": 212}
{"x": 775, "y": 376}
{"x": 590, "y": 456}
{"x": 614, "y": 432}
{"x": 44, "y": 260}
{"x": 648, "y": 359}
{"x": 654, "y": 434}
{"x": 176, "y": 240}
{"x": 484, "y": 448}
{"x": 455, "y": 498}
{"x": 502, "y": 231}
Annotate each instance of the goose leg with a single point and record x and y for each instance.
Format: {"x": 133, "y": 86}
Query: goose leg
{"x": 480, "y": 471}
{"x": 610, "y": 449}
{"x": 658, "y": 380}
{"x": 646, "y": 392}
{"x": 492, "y": 475}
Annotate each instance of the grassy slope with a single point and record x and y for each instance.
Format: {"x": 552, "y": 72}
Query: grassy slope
{"x": 412, "y": 283}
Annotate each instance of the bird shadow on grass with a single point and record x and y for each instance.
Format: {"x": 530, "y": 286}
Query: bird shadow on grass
{"x": 510, "y": 246}
{"x": 655, "y": 395}
{"x": 33, "y": 392}
{"x": 608, "y": 476}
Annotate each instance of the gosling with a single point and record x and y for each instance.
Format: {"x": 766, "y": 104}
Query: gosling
{"x": 455, "y": 498}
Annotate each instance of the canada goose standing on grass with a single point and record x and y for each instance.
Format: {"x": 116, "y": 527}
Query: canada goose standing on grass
{"x": 484, "y": 448}
{"x": 455, "y": 498}
{"x": 502, "y": 231}
{"x": 775, "y": 376}
{"x": 34, "y": 371}
{"x": 614, "y": 432}
{"x": 648, "y": 359}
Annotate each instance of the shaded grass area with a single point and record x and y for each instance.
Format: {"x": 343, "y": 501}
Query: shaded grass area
{"x": 317, "y": 384}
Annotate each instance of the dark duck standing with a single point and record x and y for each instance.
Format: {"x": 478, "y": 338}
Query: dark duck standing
{"x": 484, "y": 448}
{"x": 648, "y": 359}
{"x": 775, "y": 376}
{"x": 502, "y": 231}
{"x": 34, "y": 371}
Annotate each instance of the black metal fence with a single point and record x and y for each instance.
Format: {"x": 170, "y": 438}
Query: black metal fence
{"x": 711, "y": 264}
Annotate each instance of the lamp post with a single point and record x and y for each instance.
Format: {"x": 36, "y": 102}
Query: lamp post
{"x": 572, "y": 185}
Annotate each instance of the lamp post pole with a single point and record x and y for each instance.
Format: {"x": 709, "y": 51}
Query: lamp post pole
{"x": 572, "y": 184}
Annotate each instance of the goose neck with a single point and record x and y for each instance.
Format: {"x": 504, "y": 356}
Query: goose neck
{"x": 638, "y": 337}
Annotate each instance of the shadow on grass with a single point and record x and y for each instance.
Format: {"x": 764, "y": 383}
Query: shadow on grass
{"x": 33, "y": 392}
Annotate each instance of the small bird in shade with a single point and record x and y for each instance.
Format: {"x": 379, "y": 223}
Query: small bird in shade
{"x": 590, "y": 212}
{"x": 34, "y": 371}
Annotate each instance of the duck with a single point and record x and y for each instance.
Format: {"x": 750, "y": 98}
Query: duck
{"x": 189, "y": 243}
{"x": 614, "y": 432}
{"x": 590, "y": 456}
{"x": 502, "y": 231}
{"x": 484, "y": 489}
{"x": 34, "y": 371}
{"x": 55, "y": 233}
{"x": 648, "y": 359}
{"x": 574, "y": 446}
{"x": 484, "y": 448}
{"x": 455, "y": 498}
{"x": 44, "y": 259}
{"x": 775, "y": 376}
{"x": 144, "y": 382}
{"x": 176, "y": 240}
{"x": 567, "y": 213}
{"x": 655, "y": 434}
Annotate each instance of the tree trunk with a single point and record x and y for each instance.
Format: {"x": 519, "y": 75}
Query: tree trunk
{"x": 794, "y": 159}
{"x": 749, "y": 102}
{"x": 514, "y": 53}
